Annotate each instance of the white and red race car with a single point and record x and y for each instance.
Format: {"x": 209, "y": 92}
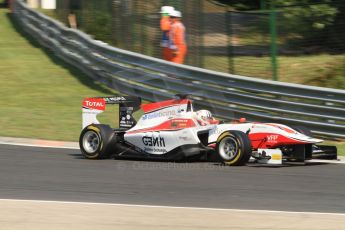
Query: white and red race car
{"x": 171, "y": 130}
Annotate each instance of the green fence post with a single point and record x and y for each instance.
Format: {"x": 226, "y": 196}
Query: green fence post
{"x": 141, "y": 26}
{"x": 201, "y": 34}
{"x": 273, "y": 33}
{"x": 228, "y": 26}
{"x": 262, "y": 4}
{"x": 132, "y": 19}
{"x": 142, "y": 13}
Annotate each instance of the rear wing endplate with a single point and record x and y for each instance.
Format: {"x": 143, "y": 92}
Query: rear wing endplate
{"x": 95, "y": 105}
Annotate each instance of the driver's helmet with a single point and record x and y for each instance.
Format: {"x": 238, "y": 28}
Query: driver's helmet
{"x": 204, "y": 117}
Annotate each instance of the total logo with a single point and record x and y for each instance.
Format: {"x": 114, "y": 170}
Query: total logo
{"x": 94, "y": 103}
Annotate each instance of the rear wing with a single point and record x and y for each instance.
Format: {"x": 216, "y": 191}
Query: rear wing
{"x": 96, "y": 105}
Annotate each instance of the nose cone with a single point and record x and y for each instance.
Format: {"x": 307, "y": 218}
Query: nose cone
{"x": 304, "y": 138}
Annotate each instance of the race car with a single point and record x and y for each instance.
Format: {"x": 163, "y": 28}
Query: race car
{"x": 172, "y": 131}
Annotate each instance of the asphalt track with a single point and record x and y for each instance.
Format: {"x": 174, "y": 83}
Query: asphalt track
{"x": 33, "y": 173}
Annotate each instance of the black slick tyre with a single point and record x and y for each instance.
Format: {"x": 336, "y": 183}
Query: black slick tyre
{"x": 96, "y": 141}
{"x": 233, "y": 148}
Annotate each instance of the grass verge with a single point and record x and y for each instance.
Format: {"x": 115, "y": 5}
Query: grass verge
{"x": 40, "y": 94}
{"x": 324, "y": 70}
{"x": 340, "y": 146}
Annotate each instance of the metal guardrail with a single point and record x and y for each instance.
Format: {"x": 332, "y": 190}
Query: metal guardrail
{"x": 322, "y": 110}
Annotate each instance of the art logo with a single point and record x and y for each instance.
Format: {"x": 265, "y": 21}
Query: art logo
{"x": 94, "y": 103}
{"x": 154, "y": 141}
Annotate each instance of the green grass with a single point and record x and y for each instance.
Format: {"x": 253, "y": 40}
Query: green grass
{"x": 49, "y": 13}
{"x": 340, "y": 146}
{"x": 323, "y": 70}
{"x": 40, "y": 95}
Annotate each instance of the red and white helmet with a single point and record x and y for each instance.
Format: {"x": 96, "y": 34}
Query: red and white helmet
{"x": 204, "y": 116}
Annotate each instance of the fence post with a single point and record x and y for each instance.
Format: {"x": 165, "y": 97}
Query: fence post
{"x": 228, "y": 25}
{"x": 143, "y": 22}
{"x": 273, "y": 34}
{"x": 201, "y": 34}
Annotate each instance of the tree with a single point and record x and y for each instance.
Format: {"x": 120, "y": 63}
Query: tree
{"x": 315, "y": 14}
{"x": 242, "y": 4}
{"x": 306, "y": 23}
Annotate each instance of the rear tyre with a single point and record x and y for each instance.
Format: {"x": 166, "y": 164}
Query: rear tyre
{"x": 96, "y": 141}
{"x": 233, "y": 148}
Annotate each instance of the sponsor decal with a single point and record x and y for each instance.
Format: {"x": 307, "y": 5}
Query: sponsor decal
{"x": 184, "y": 138}
{"x": 153, "y": 141}
{"x": 94, "y": 103}
{"x": 114, "y": 99}
{"x": 272, "y": 138}
{"x": 88, "y": 111}
{"x": 259, "y": 126}
{"x": 126, "y": 119}
{"x": 124, "y": 124}
{"x": 159, "y": 114}
{"x": 179, "y": 123}
{"x": 181, "y": 120}
{"x": 276, "y": 157}
{"x": 217, "y": 131}
{"x": 155, "y": 150}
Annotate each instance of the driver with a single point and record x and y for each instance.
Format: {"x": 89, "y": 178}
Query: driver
{"x": 204, "y": 117}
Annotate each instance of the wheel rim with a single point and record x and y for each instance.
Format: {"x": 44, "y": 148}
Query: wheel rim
{"x": 228, "y": 148}
{"x": 91, "y": 142}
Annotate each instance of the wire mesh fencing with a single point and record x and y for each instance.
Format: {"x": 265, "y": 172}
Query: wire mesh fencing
{"x": 293, "y": 43}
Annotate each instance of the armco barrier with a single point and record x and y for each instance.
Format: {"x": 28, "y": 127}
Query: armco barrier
{"x": 322, "y": 110}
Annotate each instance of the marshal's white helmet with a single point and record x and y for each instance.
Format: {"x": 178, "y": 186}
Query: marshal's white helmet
{"x": 204, "y": 115}
{"x": 166, "y": 9}
{"x": 176, "y": 14}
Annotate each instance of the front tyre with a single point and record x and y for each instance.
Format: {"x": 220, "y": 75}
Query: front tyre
{"x": 233, "y": 148}
{"x": 95, "y": 141}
